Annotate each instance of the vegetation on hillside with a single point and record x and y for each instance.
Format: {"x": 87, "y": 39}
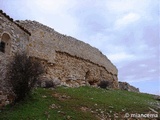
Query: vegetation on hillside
{"x": 83, "y": 103}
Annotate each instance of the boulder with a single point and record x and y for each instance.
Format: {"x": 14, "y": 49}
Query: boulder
{"x": 128, "y": 87}
{"x": 48, "y": 82}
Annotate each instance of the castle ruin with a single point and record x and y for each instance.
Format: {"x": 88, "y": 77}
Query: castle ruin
{"x": 71, "y": 61}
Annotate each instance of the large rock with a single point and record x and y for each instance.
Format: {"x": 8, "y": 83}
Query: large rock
{"x": 48, "y": 82}
{"x": 128, "y": 87}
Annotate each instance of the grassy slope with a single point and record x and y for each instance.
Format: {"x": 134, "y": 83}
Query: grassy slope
{"x": 84, "y": 103}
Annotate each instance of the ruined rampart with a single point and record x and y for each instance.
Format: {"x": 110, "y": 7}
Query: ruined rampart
{"x": 44, "y": 42}
{"x": 68, "y": 61}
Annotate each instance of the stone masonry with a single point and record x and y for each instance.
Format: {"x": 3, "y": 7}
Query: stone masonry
{"x": 14, "y": 39}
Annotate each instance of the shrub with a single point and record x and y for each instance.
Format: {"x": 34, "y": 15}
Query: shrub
{"x": 22, "y": 74}
{"x": 49, "y": 84}
{"x": 104, "y": 84}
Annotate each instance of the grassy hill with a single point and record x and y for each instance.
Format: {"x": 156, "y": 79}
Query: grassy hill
{"x": 83, "y": 103}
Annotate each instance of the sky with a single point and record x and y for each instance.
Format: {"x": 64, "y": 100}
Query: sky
{"x": 126, "y": 31}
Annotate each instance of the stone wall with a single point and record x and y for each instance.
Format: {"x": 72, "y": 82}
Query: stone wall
{"x": 6, "y": 94}
{"x": 3, "y": 66}
{"x": 18, "y": 37}
{"x": 16, "y": 40}
{"x": 128, "y": 87}
{"x": 44, "y": 41}
{"x": 67, "y": 58}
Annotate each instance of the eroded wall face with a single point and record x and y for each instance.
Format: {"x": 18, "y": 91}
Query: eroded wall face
{"x": 75, "y": 72}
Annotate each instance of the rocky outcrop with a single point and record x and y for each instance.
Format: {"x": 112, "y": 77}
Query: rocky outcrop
{"x": 127, "y": 86}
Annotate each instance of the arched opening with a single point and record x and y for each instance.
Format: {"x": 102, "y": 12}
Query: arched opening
{"x": 5, "y": 44}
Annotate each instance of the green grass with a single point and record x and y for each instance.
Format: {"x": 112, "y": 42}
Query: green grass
{"x": 83, "y": 103}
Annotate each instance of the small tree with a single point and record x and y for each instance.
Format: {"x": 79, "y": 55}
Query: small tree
{"x": 23, "y": 72}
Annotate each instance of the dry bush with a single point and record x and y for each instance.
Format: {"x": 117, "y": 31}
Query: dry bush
{"x": 22, "y": 74}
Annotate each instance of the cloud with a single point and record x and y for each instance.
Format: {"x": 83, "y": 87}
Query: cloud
{"x": 50, "y": 5}
{"x": 119, "y": 57}
{"x": 142, "y": 70}
{"x": 127, "y": 20}
{"x": 56, "y": 14}
{"x": 124, "y": 6}
{"x": 143, "y": 65}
